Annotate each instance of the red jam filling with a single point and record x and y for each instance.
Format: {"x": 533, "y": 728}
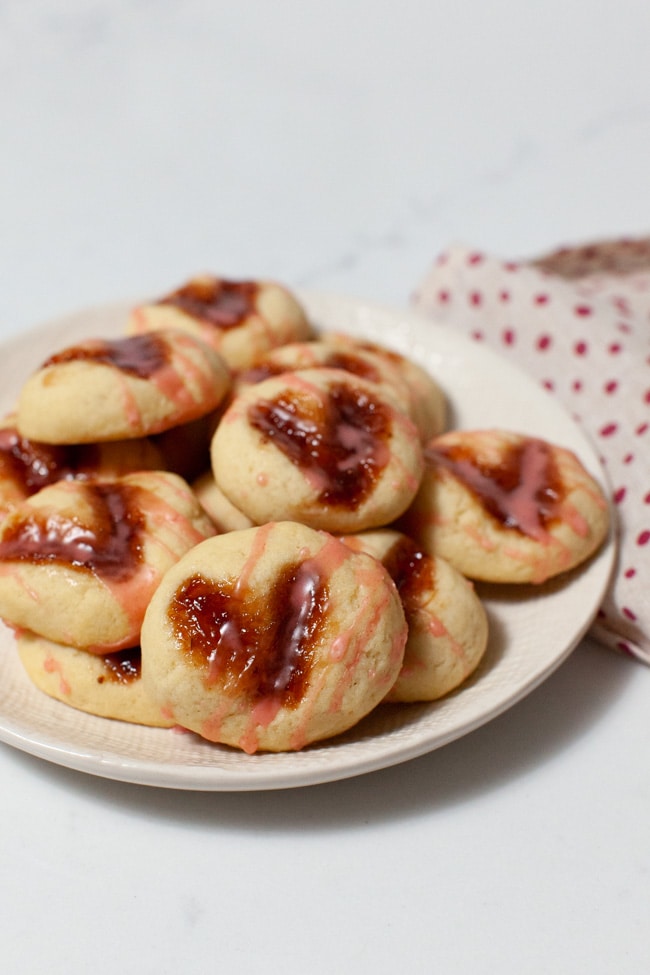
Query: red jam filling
{"x": 123, "y": 667}
{"x": 139, "y": 355}
{"x": 411, "y": 570}
{"x": 110, "y": 545}
{"x": 340, "y": 442}
{"x": 256, "y": 644}
{"x": 222, "y": 303}
{"x": 33, "y": 465}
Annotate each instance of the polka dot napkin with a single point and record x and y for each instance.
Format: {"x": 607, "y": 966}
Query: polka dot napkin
{"x": 579, "y": 321}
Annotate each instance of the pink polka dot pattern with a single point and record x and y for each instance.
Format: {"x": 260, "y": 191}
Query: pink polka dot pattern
{"x": 579, "y": 321}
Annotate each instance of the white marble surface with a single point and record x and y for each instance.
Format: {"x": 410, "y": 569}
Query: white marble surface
{"x": 336, "y": 146}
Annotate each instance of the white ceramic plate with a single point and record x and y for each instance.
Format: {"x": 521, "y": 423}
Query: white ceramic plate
{"x": 532, "y": 629}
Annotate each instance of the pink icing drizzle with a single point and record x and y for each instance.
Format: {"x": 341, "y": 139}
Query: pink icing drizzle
{"x": 523, "y": 491}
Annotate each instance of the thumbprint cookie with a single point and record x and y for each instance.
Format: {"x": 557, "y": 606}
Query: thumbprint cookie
{"x": 26, "y": 466}
{"x": 240, "y": 319}
{"x": 80, "y": 560}
{"x": 118, "y": 389}
{"x": 272, "y": 638}
{"x": 505, "y": 507}
{"x": 108, "y": 686}
{"x": 317, "y": 355}
{"x": 319, "y": 446}
{"x": 447, "y": 624}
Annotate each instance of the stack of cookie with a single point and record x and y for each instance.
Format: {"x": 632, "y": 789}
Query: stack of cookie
{"x": 226, "y": 522}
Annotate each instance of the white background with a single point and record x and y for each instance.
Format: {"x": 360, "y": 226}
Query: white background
{"x": 336, "y": 146}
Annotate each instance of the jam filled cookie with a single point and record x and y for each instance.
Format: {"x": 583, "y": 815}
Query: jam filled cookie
{"x": 108, "y": 686}
{"x": 447, "y": 624}
{"x": 119, "y": 389}
{"x": 427, "y": 404}
{"x": 321, "y": 447}
{"x": 298, "y": 356}
{"x": 80, "y": 560}
{"x": 272, "y": 638}
{"x": 504, "y": 507}
{"x": 26, "y": 466}
{"x": 240, "y": 319}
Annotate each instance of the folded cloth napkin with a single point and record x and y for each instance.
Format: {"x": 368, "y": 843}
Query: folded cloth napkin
{"x": 578, "y": 320}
